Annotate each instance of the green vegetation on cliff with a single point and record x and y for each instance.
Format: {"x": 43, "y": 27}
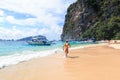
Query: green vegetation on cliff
{"x": 92, "y": 18}
{"x": 104, "y": 29}
{"x": 107, "y": 25}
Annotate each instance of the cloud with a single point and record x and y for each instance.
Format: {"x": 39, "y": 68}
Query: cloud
{"x": 49, "y": 16}
{"x": 1, "y": 15}
{"x": 7, "y": 33}
{"x": 14, "y": 33}
{"x": 29, "y": 21}
{"x": 42, "y": 9}
{"x": 1, "y": 19}
{"x": 10, "y": 33}
{"x": 34, "y": 6}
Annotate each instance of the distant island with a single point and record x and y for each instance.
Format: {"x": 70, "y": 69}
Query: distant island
{"x": 25, "y": 39}
{"x": 7, "y": 40}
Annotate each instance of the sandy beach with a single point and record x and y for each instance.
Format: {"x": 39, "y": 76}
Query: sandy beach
{"x": 100, "y": 62}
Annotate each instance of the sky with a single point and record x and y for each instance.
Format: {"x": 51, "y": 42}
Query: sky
{"x": 23, "y": 18}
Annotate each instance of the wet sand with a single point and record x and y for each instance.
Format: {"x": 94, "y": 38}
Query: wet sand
{"x": 100, "y": 62}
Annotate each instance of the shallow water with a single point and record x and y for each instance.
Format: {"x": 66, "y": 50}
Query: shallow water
{"x": 13, "y": 52}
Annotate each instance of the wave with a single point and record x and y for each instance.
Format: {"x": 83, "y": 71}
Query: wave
{"x": 25, "y": 56}
{"x": 28, "y": 55}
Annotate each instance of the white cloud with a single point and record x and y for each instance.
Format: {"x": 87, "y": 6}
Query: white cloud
{"x": 5, "y": 33}
{"x": 44, "y": 10}
{"x": 29, "y": 21}
{"x": 33, "y": 6}
{"x": 1, "y": 19}
{"x": 52, "y": 33}
{"x": 48, "y": 13}
{"x": 1, "y": 15}
{"x": 13, "y": 33}
{"x": 43, "y": 31}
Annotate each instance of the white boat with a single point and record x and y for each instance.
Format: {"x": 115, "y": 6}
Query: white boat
{"x": 39, "y": 41}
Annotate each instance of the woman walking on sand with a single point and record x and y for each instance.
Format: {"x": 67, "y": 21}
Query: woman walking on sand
{"x": 66, "y": 48}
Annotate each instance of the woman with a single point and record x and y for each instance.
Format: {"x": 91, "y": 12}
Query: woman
{"x": 66, "y": 48}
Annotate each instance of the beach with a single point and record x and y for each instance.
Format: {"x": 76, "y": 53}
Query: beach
{"x": 98, "y": 62}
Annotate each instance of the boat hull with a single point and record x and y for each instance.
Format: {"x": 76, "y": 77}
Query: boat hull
{"x": 39, "y": 43}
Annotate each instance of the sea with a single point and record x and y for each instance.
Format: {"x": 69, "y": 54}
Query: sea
{"x": 14, "y": 52}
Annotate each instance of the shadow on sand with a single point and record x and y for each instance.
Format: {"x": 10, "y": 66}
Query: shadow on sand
{"x": 73, "y": 57}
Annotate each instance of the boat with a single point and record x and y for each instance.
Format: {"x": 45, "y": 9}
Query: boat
{"x": 39, "y": 41}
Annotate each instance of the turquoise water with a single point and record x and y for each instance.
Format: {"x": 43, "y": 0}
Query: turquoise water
{"x": 13, "y": 52}
{"x": 13, "y": 47}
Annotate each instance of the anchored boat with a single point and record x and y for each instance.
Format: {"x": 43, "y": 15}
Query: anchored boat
{"x": 39, "y": 41}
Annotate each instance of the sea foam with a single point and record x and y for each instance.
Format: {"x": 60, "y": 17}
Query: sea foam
{"x": 28, "y": 55}
{"x": 25, "y": 56}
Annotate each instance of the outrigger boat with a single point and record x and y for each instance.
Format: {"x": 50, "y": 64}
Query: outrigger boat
{"x": 39, "y": 41}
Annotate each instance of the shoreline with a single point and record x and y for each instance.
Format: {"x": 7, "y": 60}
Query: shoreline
{"x": 98, "y": 62}
{"x": 57, "y": 52}
{"x": 15, "y": 59}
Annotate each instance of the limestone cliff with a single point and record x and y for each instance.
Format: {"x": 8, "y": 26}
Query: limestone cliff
{"x": 83, "y": 16}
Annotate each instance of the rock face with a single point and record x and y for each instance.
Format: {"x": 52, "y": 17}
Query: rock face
{"x": 83, "y": 15}
{"x": 79, "y": 17}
